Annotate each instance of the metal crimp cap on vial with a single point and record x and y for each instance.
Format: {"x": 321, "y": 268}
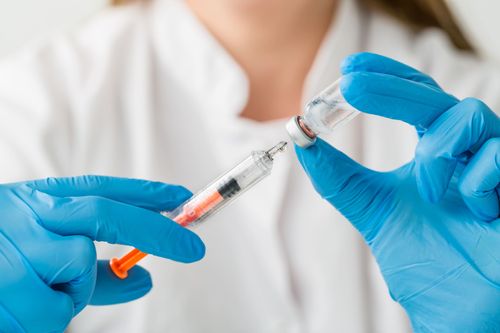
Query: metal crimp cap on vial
{"x": 297, "y": 133}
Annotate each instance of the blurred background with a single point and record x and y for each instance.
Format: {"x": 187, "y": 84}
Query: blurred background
{"x": 22, "y": 21}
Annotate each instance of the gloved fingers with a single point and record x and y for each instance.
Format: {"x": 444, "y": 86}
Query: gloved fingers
{"x": 142, "y": 193}
{"x": 453, "y": 136}
{"x": 375, "y": 63}
{"x": 29, "y": 302}
{"x": 392, "y": 97}
{"x": 347, "y": 185}
{"x": 106, "y": 220}
{"x": 479, "y": 182}
{"x": 7, "y": 321}
{"x": 78, "y": 277}
{"x": 67, "y": 264}
{"x": 111, "y": 290}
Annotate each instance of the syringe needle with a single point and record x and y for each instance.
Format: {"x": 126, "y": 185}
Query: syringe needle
{"x": 280, "y": 147}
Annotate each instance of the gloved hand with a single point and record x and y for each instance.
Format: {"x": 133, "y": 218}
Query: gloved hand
{"x": 432, "y": 224}
{"x": 48, "y": 266}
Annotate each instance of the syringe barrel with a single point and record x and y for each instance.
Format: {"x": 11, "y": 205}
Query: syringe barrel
{"x": 210, "y": 200}
{"x": 223, "y": 190}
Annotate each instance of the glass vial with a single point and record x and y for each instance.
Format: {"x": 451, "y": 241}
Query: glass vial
{"x": 322, "y": 114}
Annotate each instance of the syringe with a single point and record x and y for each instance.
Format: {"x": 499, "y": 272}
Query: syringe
{"x": 210, "y": 200}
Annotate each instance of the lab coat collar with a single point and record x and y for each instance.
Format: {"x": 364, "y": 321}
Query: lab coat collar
{"x": 188, "y": 51}
{"x": 195, "y": 59}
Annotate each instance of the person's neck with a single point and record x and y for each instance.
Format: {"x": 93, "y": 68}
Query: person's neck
{"x": 275, "y": 42}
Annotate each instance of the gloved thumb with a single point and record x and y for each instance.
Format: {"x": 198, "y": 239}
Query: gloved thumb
{"x": 111, "y": 290}
{"x": 347, "y": 185}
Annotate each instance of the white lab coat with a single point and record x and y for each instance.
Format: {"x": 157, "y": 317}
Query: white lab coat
{"x": 145, "y": 91}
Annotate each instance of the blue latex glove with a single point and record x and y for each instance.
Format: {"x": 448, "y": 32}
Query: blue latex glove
{"x": 48, "y": 265}
{"x": 432, "y": 224}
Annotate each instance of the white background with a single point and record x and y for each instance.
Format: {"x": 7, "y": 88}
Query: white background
{"x": 25, "y": 20}
{"x": 481, "y": 22}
